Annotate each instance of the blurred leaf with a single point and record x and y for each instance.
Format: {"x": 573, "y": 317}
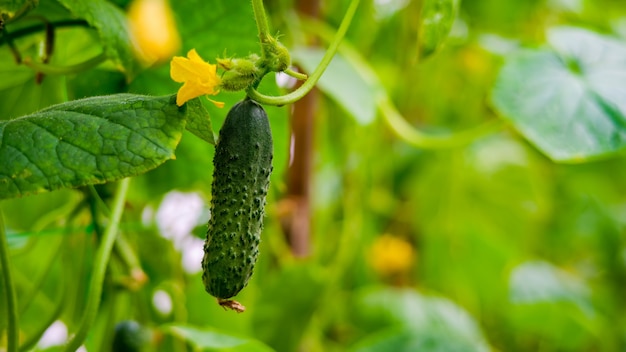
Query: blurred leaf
{"x": 213, "y": 340}
{"x": 568, "y": 100}
{"x": 436, "y": 20}
{"x": 288, "y": 301}
{"x": 538, "y": 281}
{"x": 112, "y": 27}
{"x": 199, "y": 122}
{"x": 551, "y": 303}
{"x": 405, "y": 340}
{"x": 87, "y": 141}
{"x": 20, "y": 94}
{"x": 95, "y": 82}
{"x": 24, "y": 215}
{"x": 342, "y": 83}
{"x": 424, "y": 320}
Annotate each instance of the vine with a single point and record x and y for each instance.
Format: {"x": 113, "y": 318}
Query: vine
{"x": 392, "y": 117}
{"x": 306, "y": 87}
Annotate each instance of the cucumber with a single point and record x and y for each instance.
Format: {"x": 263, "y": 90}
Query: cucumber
{"x": 242, "y": 168}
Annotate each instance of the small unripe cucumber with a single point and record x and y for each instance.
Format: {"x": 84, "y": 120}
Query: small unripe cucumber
{"x": 242, "y": 168}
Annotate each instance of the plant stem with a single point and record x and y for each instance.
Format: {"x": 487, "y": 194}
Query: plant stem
{"x": 261, "y": 21}
{"x": 7, "y": 37}
{"x": 393, "y": 118}
{"x": 99, "y": 270}
{"x": 419, "y": 139}
{"x": 9, "y": 288}
{"x": 65, "y": 70}
{"x": 315, "y": 76}
{"x": 122, "y": 248}
{"x": 296, "y": 75}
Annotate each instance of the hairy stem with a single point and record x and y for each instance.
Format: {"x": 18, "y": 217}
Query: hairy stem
{"x": 315, "y": 76}
{"x": 9, "y": 289}
{"x": 261, "y": 21}
{"x": 99, "y": 270}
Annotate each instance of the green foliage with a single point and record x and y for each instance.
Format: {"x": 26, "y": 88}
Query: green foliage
{"x": 111, "y": 24}
{"x": 535, "y": 90}
{"x": 214, "y": 340}
{"x": 88, "y": 141}
{"x": 412, "y": 322}
{"x": 517, "y": 237}
{"x": 342, "y": 83}
{"x": 436, "y": 20}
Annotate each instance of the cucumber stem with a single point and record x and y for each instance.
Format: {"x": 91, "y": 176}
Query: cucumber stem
{"x": 306, "y": 87}
{"x": 261, "y": 22}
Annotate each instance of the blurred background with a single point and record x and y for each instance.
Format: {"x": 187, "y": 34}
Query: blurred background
{"x": 370, "y": 244}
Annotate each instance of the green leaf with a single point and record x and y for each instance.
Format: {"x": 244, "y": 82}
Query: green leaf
{"x": 277, "y": 304}
{"x": 199, "y": 121}
{"x": 110, "y": 22}
{"x": 436, "y": 20}
{"x": 88, "y": 141}
{"x": 213, "y": 340}
{"x": 342, "y": 83}
{"x": 419, "y": 321}
{"x": 567, "y": 100}
{"x": 406, "y": 340}
{"x": 551, "y": 303}
{"x": 538, "y": 281}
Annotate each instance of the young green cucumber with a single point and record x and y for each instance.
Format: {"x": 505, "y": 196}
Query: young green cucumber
{"x": 242, "y": 168}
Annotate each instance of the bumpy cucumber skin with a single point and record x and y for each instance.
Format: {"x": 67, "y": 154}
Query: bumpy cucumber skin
{"x": 242, "y": 168}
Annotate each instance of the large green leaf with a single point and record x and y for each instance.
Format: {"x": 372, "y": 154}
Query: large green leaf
{"x": 213, "y": 340}
{"x": 112, "y": 27}
{"x": 568, "y": 100}
{"x": 88, "y": 141}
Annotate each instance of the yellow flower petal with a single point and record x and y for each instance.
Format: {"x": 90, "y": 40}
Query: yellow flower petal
{"x": 183, "y": 69}
{"x": 219, "y": 104}
{"x": 189, "y": 90}
{"x": 199, "y": 77}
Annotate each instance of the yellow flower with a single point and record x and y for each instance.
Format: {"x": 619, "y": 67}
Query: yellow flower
{"x": 391, "y": 255}
{"x": 199, "y": 77}
{"x": 153, "y": 30}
